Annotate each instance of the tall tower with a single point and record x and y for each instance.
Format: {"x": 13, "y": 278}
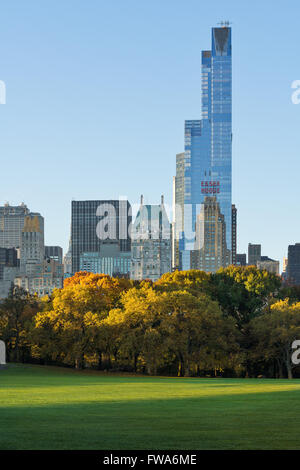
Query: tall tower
{"x": 210, "y": 252}
{"x": 32, "y": 244}
{"x": 178, "y": 209}
{"x": 208, "y": 144}
{"x": 151, "y": 243}
{"x": 233, "y": 234}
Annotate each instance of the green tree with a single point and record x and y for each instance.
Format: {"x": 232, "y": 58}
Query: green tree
{"x": 273, "y": 335}
{"x": 17, "y": 312}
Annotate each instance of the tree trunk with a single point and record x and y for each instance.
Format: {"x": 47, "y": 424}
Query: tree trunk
{"x": 289, "y": 369}
{"x": 79, "y": 362}
{"x": 280, "y": 369}
{"x": 99, "y": 367}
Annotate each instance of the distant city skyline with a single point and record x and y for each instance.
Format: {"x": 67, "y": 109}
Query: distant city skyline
{"x": 97, "y": 95}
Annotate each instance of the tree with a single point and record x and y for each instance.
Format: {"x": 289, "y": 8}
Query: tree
{"x": 193, "y": 281}
{"x": 135, "y": 328}
{"x": 77, "y": 310}
{"x": 243, "y": 292}
{"x": 197, "y": 333}
{"x": 273, "y": 335}
{"x": 16, "y": 319}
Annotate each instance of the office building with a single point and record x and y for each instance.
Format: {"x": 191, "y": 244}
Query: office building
{"x": 268, "y": 264}
{"x": 68, "y": 261}
{"x": 32, "y": 244}
{"x": 94, "y": 222}
{"x": 151, "y": 243}
{"x": 9, "y": 268}
{"x": 208, "y": 144}
{"x": 211, "y": 251}
{"x": 241, "y": 259}
{"x": 293, "y": 266}
{"x": 178, "y": 210}
{"x": 254, "y": 254}
{"x": 109, "y": 260}
{"x": 48, "y": 275}
{"x": 55, "y": 253}
{"x": 11, "y": 225}
{"x": 233, "y": 234}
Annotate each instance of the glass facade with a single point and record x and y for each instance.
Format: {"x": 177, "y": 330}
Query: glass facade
{"x": 208, "y": 144}
{"x": 88, "y": 219}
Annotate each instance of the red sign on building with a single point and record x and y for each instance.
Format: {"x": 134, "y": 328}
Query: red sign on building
{"x": 210, "y": 187}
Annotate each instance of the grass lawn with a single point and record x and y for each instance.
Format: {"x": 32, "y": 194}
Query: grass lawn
{"x": 53, "y": 408}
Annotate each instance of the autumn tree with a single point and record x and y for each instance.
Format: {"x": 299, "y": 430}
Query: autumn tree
{"x": 273, "y": 334}
{"x": 17, "y": 312}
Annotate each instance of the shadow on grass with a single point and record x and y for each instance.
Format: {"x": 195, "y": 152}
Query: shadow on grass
{"x": 268, "y": 420}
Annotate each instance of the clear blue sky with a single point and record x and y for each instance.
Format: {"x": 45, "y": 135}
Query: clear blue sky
{"x": 97, "y": 95}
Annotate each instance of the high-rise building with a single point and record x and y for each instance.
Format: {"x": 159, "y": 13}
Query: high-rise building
{"x": 8, "y": 257}
{"x": 268, "y": 264}
{"x": 48, "y": 275}
{"x": 32, "y": 244}
{"x": 208, "y": 143}
{"x": 11, "y": 225}
{"x": 96, "y": 221}
{"x": 293, "y": 267}
{"x": 68, "y": 261}
{"x": 151, "y": 243}
{"x": 241, "y": 259}
{"x": 55, "y": 253}
{"x": 9, "y": 268}
{"x": 233, "y": 234}
{"x": 254, "y": 254}
{"x": 178, "y": 210}
{"x": 211, "y": 251}
{"x": 284, "y": 269}
{"x": 110, "y": 260}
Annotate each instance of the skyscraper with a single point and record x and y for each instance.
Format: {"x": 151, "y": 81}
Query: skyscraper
{"x": 254, "y": 254}
{"x": 32, "y": 244}
{"x": 96, "y": 221}
{"x": 208, "y": 143}
{"x": 55, "y": 253}
{"x": 11, "y": 225}
{"x": 293, "y": 265}
{"x": 151, "y": 243}
{"x": 233, "y": 234}
{"x": 210, "y": 252}
{"x": 178, "y": 209}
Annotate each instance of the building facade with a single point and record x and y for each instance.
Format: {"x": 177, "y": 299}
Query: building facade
{"x": 208, "y": 144}
{"x": 269, "y": 265}
{"x": 178, "y": 210}
{"x": 32, "y": 244}
{"x": 55, "y": 253}
{"x": 293, "y": 265}
{"x": 110, "y": 260}
{"x": 94, "y": 222}
{"x": 48, "y": 276}
{"x": 151, "y": 243}
{"x": 11, "y": 225}
{"x": 211, "y": 251}
{"x": 254, "y": 254}
{"x": 233, "y": 234}
{"x": 241, "y": 259}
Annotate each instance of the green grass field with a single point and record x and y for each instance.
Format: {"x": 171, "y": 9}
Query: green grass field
{"x": 52, "y": 408}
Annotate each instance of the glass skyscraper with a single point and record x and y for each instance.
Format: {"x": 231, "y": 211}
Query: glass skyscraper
{"x": 208, "y": 144}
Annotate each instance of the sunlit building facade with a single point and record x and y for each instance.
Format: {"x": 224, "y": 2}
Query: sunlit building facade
{"x": 208, "y": 144}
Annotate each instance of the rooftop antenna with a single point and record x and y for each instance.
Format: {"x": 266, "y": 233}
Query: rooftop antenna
{"x": 225, "y": 24}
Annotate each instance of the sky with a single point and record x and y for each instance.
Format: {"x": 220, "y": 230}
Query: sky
{"x": 97, "y": 93}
